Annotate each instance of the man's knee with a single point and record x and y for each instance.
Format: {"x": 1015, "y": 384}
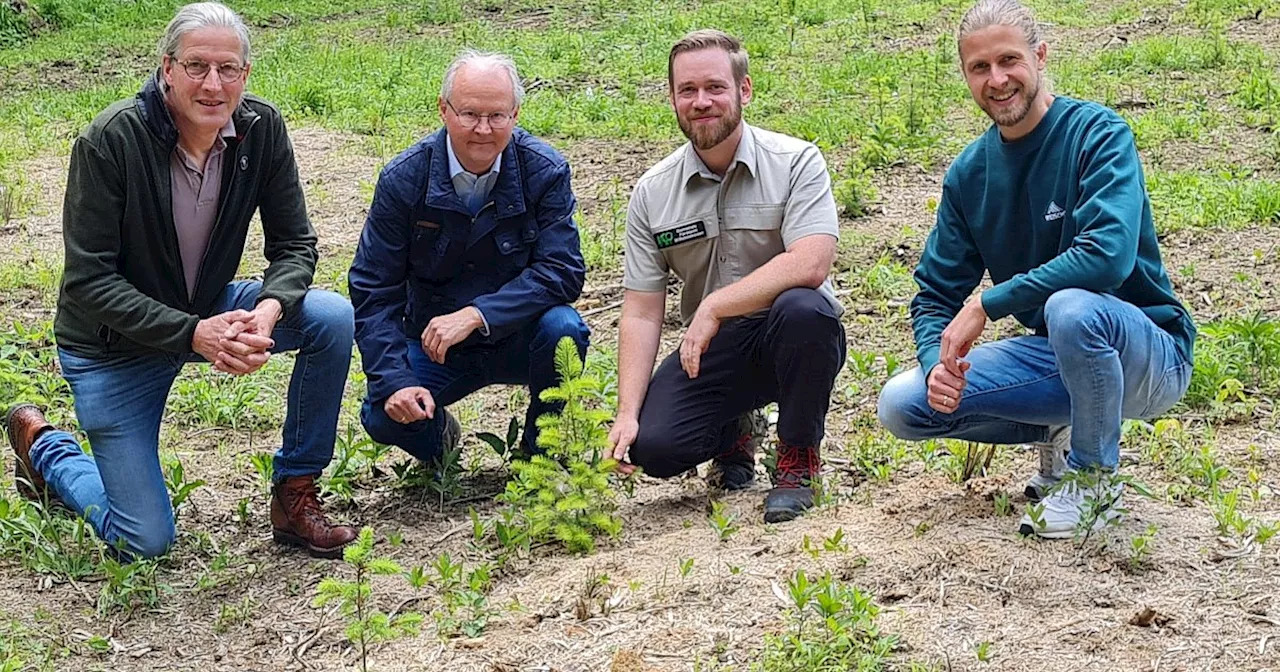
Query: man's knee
{"x": 378, "y": 425}
{"x": 655, "y": 452}
{"x": 558, "y": 322}
{"x": 152, "y": 540}
{"x": 408, "y": 437}
{"x": 903, "y": 406}
{"x": 328, "y": 317}
{"x": 804, "y": 309}
{"x": 1068, "y": 312}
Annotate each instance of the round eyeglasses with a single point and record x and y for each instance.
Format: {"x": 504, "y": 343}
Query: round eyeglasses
{"x": 470, "y": 119}
{"x": 198, "y": 70}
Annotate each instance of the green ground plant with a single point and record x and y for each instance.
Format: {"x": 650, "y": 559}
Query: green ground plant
{"x": 829, "y": 626}
{"x": 366, "y": 625}
{"x": 464, "y": 604}
{"x": 565, "y": 493}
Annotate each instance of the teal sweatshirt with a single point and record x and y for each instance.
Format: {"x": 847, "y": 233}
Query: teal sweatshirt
{"x": 1063, "y": 207}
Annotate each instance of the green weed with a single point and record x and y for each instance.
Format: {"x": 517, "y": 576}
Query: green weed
{"x": 366, "y": 625}
{"x": 829, "y": 626}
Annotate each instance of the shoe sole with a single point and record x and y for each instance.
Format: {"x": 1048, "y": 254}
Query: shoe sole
{"x": 781, "y": 515}
{"x": 290, "y": 539}
{"x": 1028, "y": 531}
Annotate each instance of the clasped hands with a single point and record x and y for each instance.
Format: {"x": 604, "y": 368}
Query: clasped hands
{"x": 946, "y": 380}
{"x": 412, "y": 404}
{"x": 238, "y": 342}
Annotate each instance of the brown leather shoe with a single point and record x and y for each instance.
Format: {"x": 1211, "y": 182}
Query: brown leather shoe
{"x": 23, "y": 423}
{"x": 297, "y": 520}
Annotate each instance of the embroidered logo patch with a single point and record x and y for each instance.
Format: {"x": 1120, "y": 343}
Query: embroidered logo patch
{"x": 681, "y": 234}
{"x": 1054, "y": 212}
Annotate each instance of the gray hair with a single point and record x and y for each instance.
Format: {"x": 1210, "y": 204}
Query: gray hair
{"x": 483, "y": 59}
{"x": 199, "y": 15}
{"x": 989, "y": 13}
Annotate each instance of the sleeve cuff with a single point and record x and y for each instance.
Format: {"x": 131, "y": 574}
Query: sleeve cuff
{"x": 997, "y": 302}
{"x": 484, "y": 322}
{"x": 645, "y": 286}
{"x": 928, "y": 358}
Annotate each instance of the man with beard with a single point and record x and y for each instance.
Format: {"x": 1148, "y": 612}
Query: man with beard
{"x": 1050, "y": 202}
{"x": 746, "y": 219}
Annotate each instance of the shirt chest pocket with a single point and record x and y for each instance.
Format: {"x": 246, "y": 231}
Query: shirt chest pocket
{"x": 754, "y": 217}
{"x": 754, "y": 232}
{"x": 514, "y": 244}
{"x": 427, "y": 247}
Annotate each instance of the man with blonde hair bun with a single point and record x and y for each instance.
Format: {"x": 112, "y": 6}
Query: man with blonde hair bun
{"x": 1051, "y": 202}
{"x": 746, "y": 219}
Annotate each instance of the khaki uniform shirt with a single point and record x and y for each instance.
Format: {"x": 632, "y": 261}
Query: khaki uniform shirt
{"x": 714, "y": 231}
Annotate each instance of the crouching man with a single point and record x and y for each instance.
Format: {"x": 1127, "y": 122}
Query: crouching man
{"x": 746, "y": 219}
{"x": 467, "y": 265}
{"x": 160, "y": 194}
{"x": 1051, "y": 202}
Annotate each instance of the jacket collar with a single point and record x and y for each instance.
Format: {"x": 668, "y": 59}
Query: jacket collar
{"x": 155, "y": 114}
{"x": 508, "y": 191}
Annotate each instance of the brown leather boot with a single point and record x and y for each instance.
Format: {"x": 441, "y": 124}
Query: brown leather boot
{"x": 23, "y": 423}
{"x": 297, "y": 520}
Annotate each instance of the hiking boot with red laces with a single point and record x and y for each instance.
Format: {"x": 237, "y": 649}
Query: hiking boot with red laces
{"x": 297, "y": 519}
{"x": 792, "y": 492}
{"x": 735, "y": 468}
{"x": 23, "y": 423}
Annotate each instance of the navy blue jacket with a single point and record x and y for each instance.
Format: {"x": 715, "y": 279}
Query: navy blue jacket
{"x": 422, "y": 254}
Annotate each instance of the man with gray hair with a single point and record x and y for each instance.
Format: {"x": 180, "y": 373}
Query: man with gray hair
{"x": 160, "y": 194}
{"x": 467, "y": 265}
{"x": 1052, "y": 204}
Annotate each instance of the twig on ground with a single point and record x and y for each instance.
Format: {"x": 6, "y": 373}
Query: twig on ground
{"x": 602, "y": 309}
{"x": 445, "y": 537}
{"x": 404, "y": 603}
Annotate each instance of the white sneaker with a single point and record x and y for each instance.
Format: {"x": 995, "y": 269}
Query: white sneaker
{"x": 1053, "y": 463}
{"x": 1080, "y": 496}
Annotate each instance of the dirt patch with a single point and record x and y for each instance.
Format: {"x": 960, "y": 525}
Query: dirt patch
{"x": 948, "y": 571}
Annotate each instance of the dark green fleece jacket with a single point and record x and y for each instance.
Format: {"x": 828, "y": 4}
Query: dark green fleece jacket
{"x": 123, "y": 288}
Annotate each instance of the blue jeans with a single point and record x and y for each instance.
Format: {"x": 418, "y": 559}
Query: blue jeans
{"x": 1103, "y": 360}
{"x": 524, "y": 358}
{"x": 120, "y": 401}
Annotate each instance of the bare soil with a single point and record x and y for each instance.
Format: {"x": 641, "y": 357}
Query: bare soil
{"x": 948, "y": 572}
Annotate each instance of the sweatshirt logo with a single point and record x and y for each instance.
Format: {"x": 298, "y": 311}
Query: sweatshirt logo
{"x": 1054, "y": 212}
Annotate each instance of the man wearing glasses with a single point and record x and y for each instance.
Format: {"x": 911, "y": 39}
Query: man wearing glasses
{"x": 467, "y": 265}
{"x": 160, "y": 194}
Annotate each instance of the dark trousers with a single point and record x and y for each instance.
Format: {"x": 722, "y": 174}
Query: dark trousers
{"x": 525, "y": 358}
{"x": 790, "y": 356}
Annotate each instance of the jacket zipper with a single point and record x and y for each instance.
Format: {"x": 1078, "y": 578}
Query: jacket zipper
{"x": 222, "y": 203}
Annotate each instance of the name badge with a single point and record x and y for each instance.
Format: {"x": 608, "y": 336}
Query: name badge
{"x": 681, "y": 234}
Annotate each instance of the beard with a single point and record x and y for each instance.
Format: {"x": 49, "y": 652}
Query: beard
{"x": 704, "y": 136}
{"x": 1013, "y": 115}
